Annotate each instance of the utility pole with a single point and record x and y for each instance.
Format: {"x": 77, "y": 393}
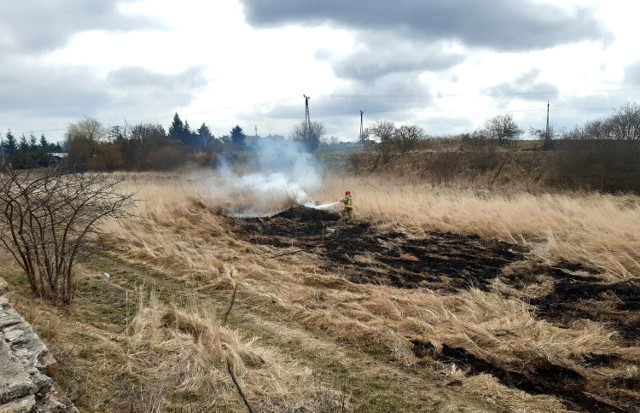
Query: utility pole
{"x": 547, "y": 132}
{"x": 307, "y": 118}
{"x": 306, "y": 126}
{"x": 361, "y": 127}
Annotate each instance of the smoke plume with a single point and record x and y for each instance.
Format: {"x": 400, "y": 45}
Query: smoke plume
{"x": 280, "y": 175}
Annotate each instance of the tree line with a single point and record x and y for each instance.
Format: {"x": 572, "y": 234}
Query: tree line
{"x": 148, "y": 146}
{"x": 89, "y": 145}
{"x": 23, "y": 152}
{"x": 145, "y": 146}
{"x": 502, "y": 130}
{"x": 601, "y": 155}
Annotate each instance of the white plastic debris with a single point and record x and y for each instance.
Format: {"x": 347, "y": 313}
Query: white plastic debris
{"x": 106, "y": 276}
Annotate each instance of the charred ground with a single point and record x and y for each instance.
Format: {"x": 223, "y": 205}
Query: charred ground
{"x": 440, "y": 261}
{"x": 449, "y": 263}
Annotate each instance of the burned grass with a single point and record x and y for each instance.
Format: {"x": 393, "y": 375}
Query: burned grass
{"x": 444, "y": 262}
{"x": 580, "y": 293}
{"x": 451, "y": 264}
{"x": 440, "y": 261}
{"x": 616, "y": 305}
{"x": 578, "y": 390}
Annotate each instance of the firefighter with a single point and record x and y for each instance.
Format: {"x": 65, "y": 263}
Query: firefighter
{"x": 347, "y": 211}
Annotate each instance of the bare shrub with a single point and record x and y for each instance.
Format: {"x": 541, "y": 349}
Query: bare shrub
{"x": 46, "y": 218}
{"x": 477, "y": 141}
{"x": 443, "y": 166}
{"x": 165, "y": 158}
{"x": 603, "y": 165}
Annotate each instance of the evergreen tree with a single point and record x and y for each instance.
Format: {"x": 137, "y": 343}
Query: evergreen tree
{"x": 33, "y": 143}
{"x": 176, "y": 130}
{"x": 205, "y": 137}
{"x": 44, "y": 145}
{"x": 188, "y": 137}
{"x": 181, "y": 131}
{"x": 23, "y": 146}
{"x": 237, "y": 136}
{"x": 9, "y": 145}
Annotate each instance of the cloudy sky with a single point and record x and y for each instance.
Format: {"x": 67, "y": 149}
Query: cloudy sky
{"x": 446, "y": 65}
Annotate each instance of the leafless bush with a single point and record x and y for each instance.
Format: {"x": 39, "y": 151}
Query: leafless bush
{"x": 165, "y": 158}
{"x": 446, "y": 166}
{"x": 45, "y": 218}
{"x": 597, "y": 164}
{"x": 443, "y": 166}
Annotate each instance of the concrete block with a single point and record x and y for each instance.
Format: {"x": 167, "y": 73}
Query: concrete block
{"x": 23, "y": 405}
{"x": 8, "y": 318}
{"x": 15, "y": 383}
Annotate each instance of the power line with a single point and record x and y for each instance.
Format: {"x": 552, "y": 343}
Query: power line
{"x": 495, "y": 110}
{"x": 375, "y": 110}
{"x": 495, "y": 94}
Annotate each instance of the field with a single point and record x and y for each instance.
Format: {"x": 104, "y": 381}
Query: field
{"x": 443, "y": 298}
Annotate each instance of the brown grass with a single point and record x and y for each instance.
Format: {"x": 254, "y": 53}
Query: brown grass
{"x": 325, "y": 343}
{"x": 598, "y": 229}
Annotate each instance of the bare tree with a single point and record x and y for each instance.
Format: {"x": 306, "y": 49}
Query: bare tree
{"x": 384, "y": 130}
{"x": 596, "y": 129}
{"x": 45, "y": 218}
{"x": 407, "y": 136}
{"x": 623, "y": 125}
{"x": 88, "y": 128}
{"x": 625, "y": 122}
{"x": 309, "y": 133}
{"x": 503, "y": 128}
{"x": 83, "y": 139}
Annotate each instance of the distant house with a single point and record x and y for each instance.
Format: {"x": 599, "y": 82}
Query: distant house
{"x": 368, "y": 143}
{"x": 253, "y": 140}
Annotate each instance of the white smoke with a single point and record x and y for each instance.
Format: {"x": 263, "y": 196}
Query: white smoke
{"x": 283, "y": 174}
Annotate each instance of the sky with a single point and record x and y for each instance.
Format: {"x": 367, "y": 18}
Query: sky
{"x": 445, "y": 65}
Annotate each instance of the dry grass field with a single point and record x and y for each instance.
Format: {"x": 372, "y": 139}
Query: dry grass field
{"x": 435, "y": 298}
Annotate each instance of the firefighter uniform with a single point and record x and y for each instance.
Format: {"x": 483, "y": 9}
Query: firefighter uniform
{"x": 347, "y": 211}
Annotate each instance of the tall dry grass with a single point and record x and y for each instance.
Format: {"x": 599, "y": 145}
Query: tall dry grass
{"x": 178, "y": 230}
{"x": 183, "y": 357}
{"x": 602, "y": 231}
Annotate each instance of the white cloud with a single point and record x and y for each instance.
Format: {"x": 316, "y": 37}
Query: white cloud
{"x": 144, "y": 60}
